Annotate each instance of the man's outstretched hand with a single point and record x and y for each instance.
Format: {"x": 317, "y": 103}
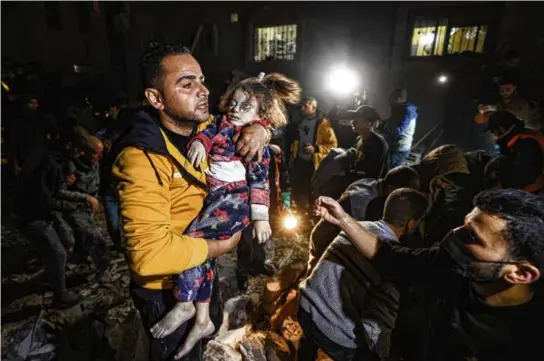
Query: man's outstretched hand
{"x": 330, "y": 210}
{"x": 251, "y": 141}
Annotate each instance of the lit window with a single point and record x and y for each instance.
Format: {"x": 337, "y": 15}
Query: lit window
{"x": 276, "y": 43}
{"x": 469, "y": 38}
{"x": 429, "y": 38}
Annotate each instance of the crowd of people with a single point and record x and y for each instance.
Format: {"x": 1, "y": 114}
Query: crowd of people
{"x": 438, "y": 260}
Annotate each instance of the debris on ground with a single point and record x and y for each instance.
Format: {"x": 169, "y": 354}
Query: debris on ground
{"x": 106, "y": 325}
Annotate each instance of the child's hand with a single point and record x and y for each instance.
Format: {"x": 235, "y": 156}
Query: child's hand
{"x": 262, "y": 231}
{"x": 197, "y": 154}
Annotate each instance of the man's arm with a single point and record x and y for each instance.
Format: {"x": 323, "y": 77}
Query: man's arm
{"x": 153, "y": 247}
{"x": 412, "y": 265}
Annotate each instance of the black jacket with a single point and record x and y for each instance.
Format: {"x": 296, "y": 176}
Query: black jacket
{"x": 457, "y": 324}
{"x": 527, "y": 154}
{"x": 38, "y": 187}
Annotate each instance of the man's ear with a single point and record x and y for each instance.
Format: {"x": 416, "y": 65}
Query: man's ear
{"x": 524, "y": 274}
{"x": 154, "y": 98}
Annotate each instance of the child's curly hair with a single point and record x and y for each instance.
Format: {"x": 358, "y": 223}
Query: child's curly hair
{"x": 271, "y": 92}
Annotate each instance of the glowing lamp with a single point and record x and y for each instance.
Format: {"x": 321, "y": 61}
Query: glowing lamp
{"x": 342, "y": 80}
{"x": 290, "y": 222}
{"x": 442, "y": 79}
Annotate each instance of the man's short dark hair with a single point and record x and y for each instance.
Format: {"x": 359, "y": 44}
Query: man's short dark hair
{"x": 400, "y": 94}
{"x": 524, "y": 216}
{"x": 499, "y": 171}
{"x": 77, "y": 136}
{"x": 404, "y": 205}
{"x": 503, "y": 119}
{"x": 401, "y": 177}
{"x": 151, "y": 62}
{"x": 508, "y": 79}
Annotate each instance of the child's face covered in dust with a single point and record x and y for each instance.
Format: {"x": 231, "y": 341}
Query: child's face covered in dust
{"x": 243, "y": 109}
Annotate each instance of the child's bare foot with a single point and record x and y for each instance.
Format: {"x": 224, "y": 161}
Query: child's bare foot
{"x": 198, "y": 332}
{"x": 181, "y": 313}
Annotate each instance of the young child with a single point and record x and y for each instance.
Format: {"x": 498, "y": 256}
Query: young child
{"x": 238, "y": 192}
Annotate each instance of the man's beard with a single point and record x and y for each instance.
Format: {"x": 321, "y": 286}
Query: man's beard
{"x": 183, "y": 121}
{"x": 488, "y": 273}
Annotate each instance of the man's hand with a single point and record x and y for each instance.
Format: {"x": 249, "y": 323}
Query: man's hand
{"x": 197, "y": 154}
{"x": 330, "y": 210}
{"x": 276, "y": 148}
{"x": 262, "y": 231}
{"x": 70, "y": 179}
{"x": 309, "y": 149}
{"x": 218, "y": 247}
{"x": 93, "y": 202}
{"x": 251, "y": 142}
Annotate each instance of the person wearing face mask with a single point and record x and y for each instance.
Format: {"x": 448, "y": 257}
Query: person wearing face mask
{"x": 346, "y": 307}
{"x": 524, "y": 146}
{"x": 483, "y": 281}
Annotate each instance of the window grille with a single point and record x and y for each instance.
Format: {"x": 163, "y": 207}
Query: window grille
{"x": 276, "y": 43}
{"x": 433, "y": 37}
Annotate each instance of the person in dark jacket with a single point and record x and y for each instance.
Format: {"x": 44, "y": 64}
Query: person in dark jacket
{"x": 399, "y": 129}
{"x": 89, "y": 240}
{"x": 364, "y": 200}
{"x": 447, "y": 178}
{"x": 32, "y": 132}
{"x": 370, "y": 157}
{"x": 483, "y": 282}
{"x": 346, "y": 307}
{"x": 37, "y": 200}
{"x": 524, "y": 146}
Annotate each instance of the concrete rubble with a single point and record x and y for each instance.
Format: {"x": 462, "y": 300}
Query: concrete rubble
{"x": 106, "y": 326}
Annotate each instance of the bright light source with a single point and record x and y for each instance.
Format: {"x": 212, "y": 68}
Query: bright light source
{"x": 290, "y": 222}
{"x": 442, "y": 79}
{"x": 342, "y": 80}
{"x": 427, "y": 39}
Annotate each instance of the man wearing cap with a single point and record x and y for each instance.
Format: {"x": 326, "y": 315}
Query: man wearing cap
{"x": 38, "y": 199}
{"x": 372, "y": 149}
{"x": 369, "y": 158}
{"x": 524, "y": 146}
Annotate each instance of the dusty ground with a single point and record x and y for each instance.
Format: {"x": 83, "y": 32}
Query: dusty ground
{"x": 105, "y": 326}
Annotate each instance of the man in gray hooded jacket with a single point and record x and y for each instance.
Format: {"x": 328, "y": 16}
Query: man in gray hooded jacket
{"x": 346, "y": 308}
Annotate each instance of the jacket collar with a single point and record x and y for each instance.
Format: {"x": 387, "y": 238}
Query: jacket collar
{"x": 145, "y": 133}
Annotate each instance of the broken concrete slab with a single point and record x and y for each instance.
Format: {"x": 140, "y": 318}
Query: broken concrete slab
{"x": 216, "y": 351}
